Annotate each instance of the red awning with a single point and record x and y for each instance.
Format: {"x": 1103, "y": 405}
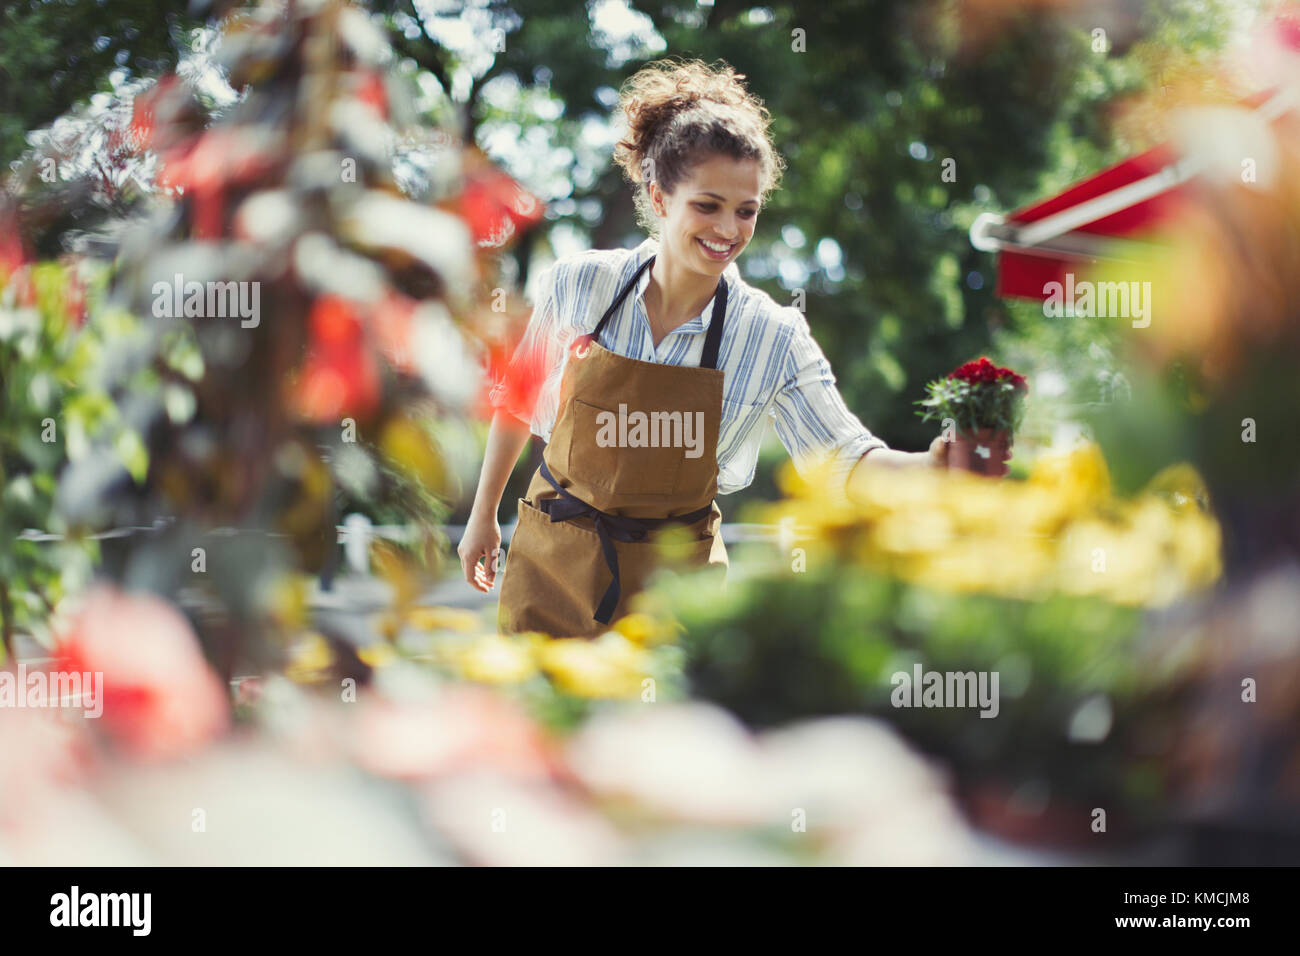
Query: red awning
{"x": 1113, "y": 215}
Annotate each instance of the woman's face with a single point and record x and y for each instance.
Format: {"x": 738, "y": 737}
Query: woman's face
{"x": 710, "y": 216}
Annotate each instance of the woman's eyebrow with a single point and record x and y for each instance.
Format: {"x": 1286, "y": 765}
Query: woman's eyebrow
{"x": 724, "y": 198}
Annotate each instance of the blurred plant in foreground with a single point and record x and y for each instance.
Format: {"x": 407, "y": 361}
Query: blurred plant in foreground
{"x": 423, "y": 769}
{"x": 1060, "y": 531}
{"x": 49, "y": 405}
{"x": 1044, "y": 582}
{"x": 296, "y": 328}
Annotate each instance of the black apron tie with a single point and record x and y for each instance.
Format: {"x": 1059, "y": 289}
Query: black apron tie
{"x": 609, "y": 528}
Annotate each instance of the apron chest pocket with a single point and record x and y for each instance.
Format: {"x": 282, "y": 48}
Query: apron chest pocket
{"x": 611, "y": 452}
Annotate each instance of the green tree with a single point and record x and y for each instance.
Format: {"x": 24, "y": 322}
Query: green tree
{"x": 56, "y": 53}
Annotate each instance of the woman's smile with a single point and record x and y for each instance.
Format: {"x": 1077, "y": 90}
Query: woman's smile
{"x": 717, "y": 249}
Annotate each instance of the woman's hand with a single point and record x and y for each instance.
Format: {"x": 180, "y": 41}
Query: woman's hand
{"x": 480, "y": 551}
{"x": 938, "y": 454}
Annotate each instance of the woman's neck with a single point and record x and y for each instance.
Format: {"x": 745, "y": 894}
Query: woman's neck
{"x": 677, "y": 294}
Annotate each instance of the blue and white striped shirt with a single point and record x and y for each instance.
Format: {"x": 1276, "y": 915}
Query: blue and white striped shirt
{"x": 773, "y": 366}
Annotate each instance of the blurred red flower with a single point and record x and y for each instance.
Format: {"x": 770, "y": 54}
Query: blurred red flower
{"x": 205, "y": 166}
{"x": 370, "y": 89}
{"x": 392, "y": 321}
{"x": 143, "y": 112}
{"x": 12, "y": 255}
{"x": 496, "y": 207}
{"x": 160, "y": 697}
{"x": 517, "y": 378}
{"x": 340, "y": 376}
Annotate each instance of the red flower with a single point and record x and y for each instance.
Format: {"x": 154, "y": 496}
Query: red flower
{"x": 334, "y": 324}
{"x": 516, "y": 377}
{"x": 496, "y": 207}
{"x": 392, "y": 320}
{"x": 12, "y": 255}
{"x": 340, "y": 377}
{"x": 206, "y": 167}
{"x": 369, "y": 89}
{"x": 160, "y": 697}
{"x": 144, "y": 110}
{"x": 982, "y": 371}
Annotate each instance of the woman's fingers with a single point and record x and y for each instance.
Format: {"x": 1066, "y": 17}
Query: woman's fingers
{"x": 491, "y": 563}
{"x": 483, "y": 573}
{"x": 480, "y": 565}
{"x": 469, "y": 564}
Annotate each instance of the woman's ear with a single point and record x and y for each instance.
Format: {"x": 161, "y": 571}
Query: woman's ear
{"x": 656, "y": 199}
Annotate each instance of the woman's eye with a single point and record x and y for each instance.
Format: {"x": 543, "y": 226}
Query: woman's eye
{"x": 705, "y": 207}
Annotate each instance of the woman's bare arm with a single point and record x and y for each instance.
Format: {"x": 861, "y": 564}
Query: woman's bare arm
{"x": 482, "y": 540}
{"x": 935, "y": 457}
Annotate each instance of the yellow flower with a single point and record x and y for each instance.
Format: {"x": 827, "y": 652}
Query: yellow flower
{"x": 443, "y": 619}
{"x": 1111, "y": 559}
{"x": 646, "y": 630}
{"x": 288, "y": 600}
{"x": 377, "y": 655}
{"x": 309, "y": 659}
{"x": 608, "y": 667}
{"x": 496, "y": 659}
{"x": 1059, "y": 531}
{"x": 1005, "y": 566}
{"x": 924, "y": 530}
{"x": 1079, "y": 478}
{"x": 414, "y": 451}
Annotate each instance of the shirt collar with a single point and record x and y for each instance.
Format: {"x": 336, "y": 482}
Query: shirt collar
{"x": 701, "y": 322}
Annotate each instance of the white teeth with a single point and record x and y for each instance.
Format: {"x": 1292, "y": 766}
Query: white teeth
{"x": 721, "y": 248}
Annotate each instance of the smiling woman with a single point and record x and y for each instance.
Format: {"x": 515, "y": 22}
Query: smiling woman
{"x": 667, "y": 329}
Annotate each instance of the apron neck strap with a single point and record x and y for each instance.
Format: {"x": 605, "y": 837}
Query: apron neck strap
{"x": 712, "y": 341}
{"x": 618, "y": 299}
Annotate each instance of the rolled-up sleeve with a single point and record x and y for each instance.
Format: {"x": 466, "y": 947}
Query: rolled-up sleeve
{"x": 521, "y": 387}
{"x": 812, "y": 420}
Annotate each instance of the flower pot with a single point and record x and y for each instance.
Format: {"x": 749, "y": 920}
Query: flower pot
{"x": 984, "y": 452}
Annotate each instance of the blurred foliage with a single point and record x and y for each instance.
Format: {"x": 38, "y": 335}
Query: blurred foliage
{"x": 866, "y": 223}
{"x": 558, "y": 680}
{"x": 350, "y": 392}
{"x": 57, "y": 53}
{"x": 1042, "y": 581}
{"x": 1012, "y": 102}
{"x": 324, "y": 382}
{"x": 50, "y": 404}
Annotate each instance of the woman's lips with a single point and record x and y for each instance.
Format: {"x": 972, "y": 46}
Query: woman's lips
{"x": 713, "y": 254}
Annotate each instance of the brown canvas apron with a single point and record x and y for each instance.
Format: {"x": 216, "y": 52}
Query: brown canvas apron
{"x": 585, "y": 543}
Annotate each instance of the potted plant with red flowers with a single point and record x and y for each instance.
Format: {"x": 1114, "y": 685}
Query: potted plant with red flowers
{"x": 982, "y": 404}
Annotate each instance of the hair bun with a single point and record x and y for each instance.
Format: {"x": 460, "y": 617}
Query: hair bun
{"x": 663, "y": 89}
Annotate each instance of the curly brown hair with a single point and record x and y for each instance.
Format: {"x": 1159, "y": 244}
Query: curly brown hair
{"x": 678, "y": 113}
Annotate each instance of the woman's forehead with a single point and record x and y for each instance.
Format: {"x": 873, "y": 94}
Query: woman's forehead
{"x": 727, "y": 179}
